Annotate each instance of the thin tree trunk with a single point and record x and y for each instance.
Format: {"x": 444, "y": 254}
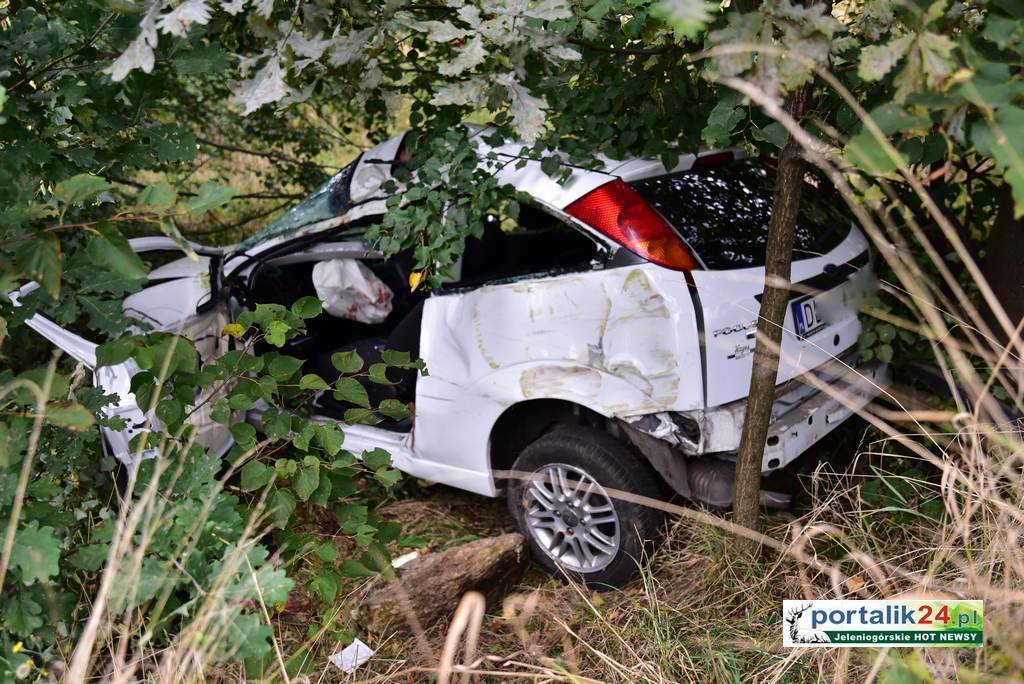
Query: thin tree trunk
{"x": 778, "y": 260}
{"x": 1002, "y": 262}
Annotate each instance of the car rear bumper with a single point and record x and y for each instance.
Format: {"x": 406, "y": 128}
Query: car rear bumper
{"x": 806, "y": 409}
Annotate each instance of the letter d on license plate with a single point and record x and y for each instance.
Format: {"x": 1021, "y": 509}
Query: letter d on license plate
{"x": 805, "y": 317}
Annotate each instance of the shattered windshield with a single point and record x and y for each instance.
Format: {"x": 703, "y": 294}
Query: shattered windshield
{"x": 331, "y": 199}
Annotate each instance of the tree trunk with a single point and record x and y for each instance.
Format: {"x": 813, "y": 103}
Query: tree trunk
{"x": 778, "y": 260}
{"x": 1002, "y": 262}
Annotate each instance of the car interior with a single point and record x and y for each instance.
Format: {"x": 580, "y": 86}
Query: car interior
{"x": 537, "y": 244}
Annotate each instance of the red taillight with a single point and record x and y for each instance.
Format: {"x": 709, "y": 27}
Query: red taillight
{"x": 617, "y": 211}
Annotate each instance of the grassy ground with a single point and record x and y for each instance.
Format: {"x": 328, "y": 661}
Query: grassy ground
{"x": 697, "y": 613}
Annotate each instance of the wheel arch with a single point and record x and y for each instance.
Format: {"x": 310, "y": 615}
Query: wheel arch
{"x": 523, "y": 422}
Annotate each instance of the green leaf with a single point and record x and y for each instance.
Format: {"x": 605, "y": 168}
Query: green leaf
{"x": 110, "y": 249}
{"x": 273, "y": 584}
{"x": 307, "y": 307}
{"x": 240, "y": 402}
{"x": 90, "y": 557}
{"x": 157, "y": 198}
{"x": 1003, "y": 139}
{"x": 307, "y": 481}
{"x": 255, "y": 476}
{"x": 277, "y": 424}
{"x": 22, "y": 616}
{"x": 286, "y": 467}
{"x": 277, "y": 333}
{"x": 394, "y": 409}
{"x": 39, "y": 258}
{"x": 686, "y": 17}
{"x": 170, "y": 411}
{"x": 550, "y": 165}
{"x": 283, "y": 367}
{"x": 351, "y": 516}
{"x": 116, "y": 351}
{"x": 282, "y": 505}
{"x": 378, "y": 374}
{"x": 388, "y": 476}
{"x": 865, "y": 152}
{"x": 153, "y": 355}
{"x": 878, "y": 60}
{"x": 389, "y": 531}
{"x": 311, "y": 381}
{"x": 322, "y": 494}
{"x": 202, "y": 59}
{"x": 210, "y": 196}
{"x": 326, "y": 586}
{"x": 326, "y": 552}
{"x": 35, "y": 553}
{"x": 349, "y": 389}
{"x": 347, "y": 362}
{"x": 393, "y": 357}
{"x": 244, "y": 434}
{"x": 376, "y": 459}
{"x": 246, "y": 636}
{"x": 353, "y": 568}
{"x": 77, "y": 189}
{"x": 71, "y": 416}
{"x": 774, "y": 133}
{"x": 365, "y": 416}
{"x": 330, "y": 438}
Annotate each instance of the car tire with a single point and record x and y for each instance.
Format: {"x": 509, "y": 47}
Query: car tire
{"x": 562, "y": 511}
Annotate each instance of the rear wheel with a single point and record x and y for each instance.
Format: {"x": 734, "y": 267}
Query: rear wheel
{"x": 566, "y": 503}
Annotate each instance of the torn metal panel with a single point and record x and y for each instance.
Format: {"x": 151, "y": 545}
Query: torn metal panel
{"x": 619, "y": 342}
{"x": 114, "y": 380}
{"x": 662, "y": 455}
{"x": 802, "y": 415}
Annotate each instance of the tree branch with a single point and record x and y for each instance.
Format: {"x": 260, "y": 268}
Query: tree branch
{"x": 622, "y": 51}
{"x": 257, "y": 153}
{"x": 187, "y": 193}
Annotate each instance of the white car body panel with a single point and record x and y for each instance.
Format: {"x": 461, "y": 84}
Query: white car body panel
{"x": 618, "y": 341}
{"x": 165, "y": 305}
{"x": 730, "y": 305}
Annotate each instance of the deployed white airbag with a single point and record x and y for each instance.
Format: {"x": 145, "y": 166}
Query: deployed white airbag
{"x": 348, "y": 289}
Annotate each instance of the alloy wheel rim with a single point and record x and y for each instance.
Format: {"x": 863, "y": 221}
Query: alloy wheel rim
{"x": 571, "y": 517}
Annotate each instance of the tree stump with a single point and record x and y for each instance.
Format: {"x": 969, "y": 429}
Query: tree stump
{"x": 429, "y": 588}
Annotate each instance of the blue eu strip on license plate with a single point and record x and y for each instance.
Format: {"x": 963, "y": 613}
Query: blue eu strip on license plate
{"x": 805, "y": 317}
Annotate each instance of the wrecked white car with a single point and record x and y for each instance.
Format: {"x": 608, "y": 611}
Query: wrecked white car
{"x": 604, "y": 344}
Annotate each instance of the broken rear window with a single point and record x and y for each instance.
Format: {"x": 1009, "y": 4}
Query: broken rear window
{"x": 723, "y": 213}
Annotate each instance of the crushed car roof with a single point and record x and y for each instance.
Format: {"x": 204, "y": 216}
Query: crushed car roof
{"x": 357, "y": 190}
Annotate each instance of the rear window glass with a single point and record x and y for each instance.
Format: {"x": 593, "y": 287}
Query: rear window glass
{"x": 723, "y": 213}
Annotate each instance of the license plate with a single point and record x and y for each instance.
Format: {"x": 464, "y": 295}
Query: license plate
{"x": 805, "y": 316}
